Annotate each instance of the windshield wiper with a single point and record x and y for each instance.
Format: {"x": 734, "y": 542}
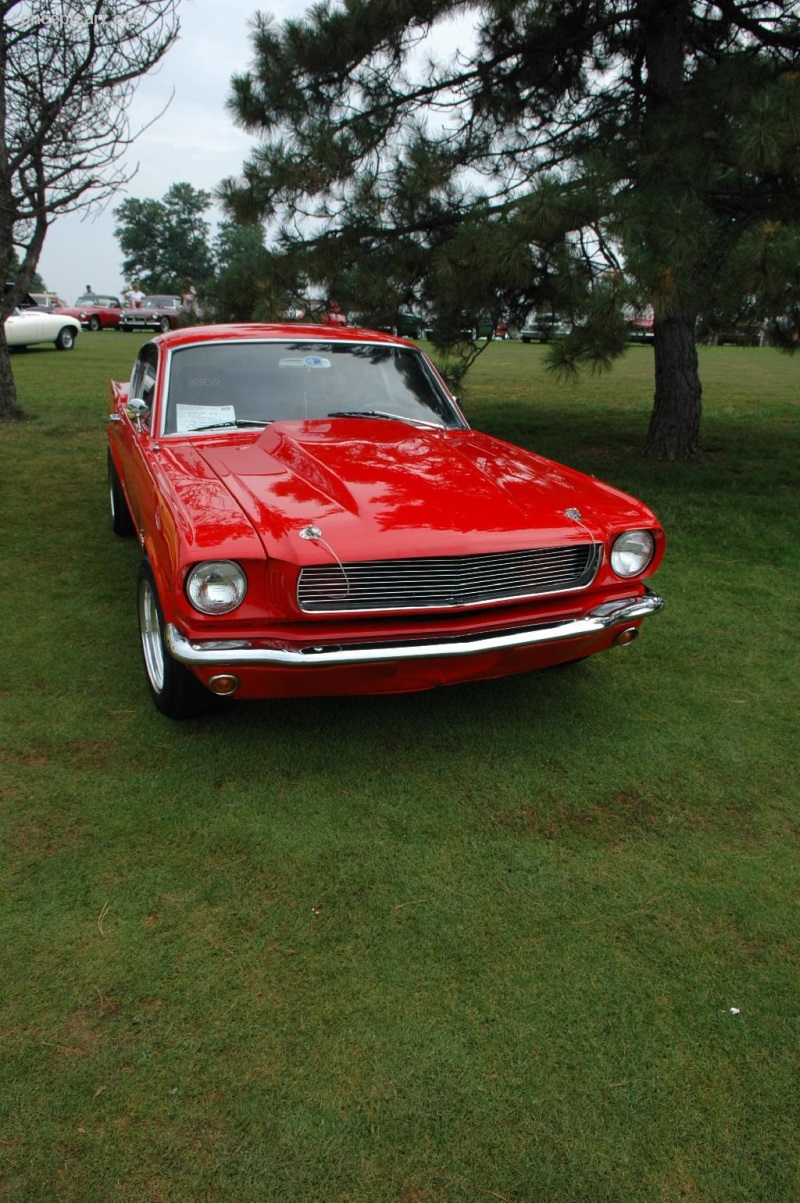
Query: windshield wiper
{"x": 380, "y": 413}
{"x": 221, "y": 425}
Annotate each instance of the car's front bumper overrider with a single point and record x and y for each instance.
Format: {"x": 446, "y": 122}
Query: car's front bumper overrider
{"x": 240, "y": 652}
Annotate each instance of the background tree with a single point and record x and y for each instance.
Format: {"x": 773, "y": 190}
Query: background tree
{"x": 37, "y": 284}
{"x": 587, "y": 156}
{"x": 166, "y": 243}
{"x": 68, "y": 69}
{"x": 248, "y": 282}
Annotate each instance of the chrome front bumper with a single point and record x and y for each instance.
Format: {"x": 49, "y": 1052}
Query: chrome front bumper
{"x": 238, "y": 651}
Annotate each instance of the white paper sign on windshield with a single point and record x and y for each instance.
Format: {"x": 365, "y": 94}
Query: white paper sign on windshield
{"x": 194, "y": 417}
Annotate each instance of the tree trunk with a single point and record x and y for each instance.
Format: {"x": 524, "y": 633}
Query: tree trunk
{"x": 675, "y": 421}
{"x": 8, "y": 389}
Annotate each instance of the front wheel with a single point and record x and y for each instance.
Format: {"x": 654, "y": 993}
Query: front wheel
{"x": 66, "y": 339}
{"x": 175, "y": 691}
{"x": 94, "y": 322}
{"x": 163, "y": 324}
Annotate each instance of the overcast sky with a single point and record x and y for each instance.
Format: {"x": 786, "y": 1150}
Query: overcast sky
{"x": 195, "y": 141}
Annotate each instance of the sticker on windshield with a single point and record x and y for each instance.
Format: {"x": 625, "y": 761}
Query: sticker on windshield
{"x": 304, "y": 361}
{"x": 193, "y": 417}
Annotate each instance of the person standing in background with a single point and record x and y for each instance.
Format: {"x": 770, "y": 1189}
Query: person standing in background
{"x": 136, "y": 296}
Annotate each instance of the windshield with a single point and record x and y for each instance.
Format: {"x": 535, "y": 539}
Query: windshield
{"x": 161, "y": 302}
{"x": 218, "y": 385}
{"x": 93, "y": 299}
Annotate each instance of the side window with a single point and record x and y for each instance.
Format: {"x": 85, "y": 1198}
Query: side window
{"x": 143, "y": 380}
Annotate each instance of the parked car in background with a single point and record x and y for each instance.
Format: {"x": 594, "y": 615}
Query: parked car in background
{"x": 96, "y": 311}
{"x": 410, "y": 325}
{"x": 47, "y": 300}
{"x": 543, "y": 327}
{"x": 487, "y": 328}
{"x": 745, "y": 334}
{"x": 746, "y": 326}
{"x": 30, "y": 324}
{"x": 404, "y": 323}
{"x": 318, "y": 518}
{"x": 327, "y": 313}
{"x": 442, "y": 333}
{"x": 640, "y": 326}
{"x": 155, "y": 313}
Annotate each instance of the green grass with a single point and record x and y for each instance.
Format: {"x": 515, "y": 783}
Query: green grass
{"x": 481, "y": 943}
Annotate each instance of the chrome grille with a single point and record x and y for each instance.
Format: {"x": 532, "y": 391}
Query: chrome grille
{"x": 441, "y": 582}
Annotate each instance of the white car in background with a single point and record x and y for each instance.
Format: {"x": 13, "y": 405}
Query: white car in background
{"x": 29, "y": 324}
{"x": 47, "y": 300}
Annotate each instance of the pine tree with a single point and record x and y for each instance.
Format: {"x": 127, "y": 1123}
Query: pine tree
{"x": 580, "y": 156}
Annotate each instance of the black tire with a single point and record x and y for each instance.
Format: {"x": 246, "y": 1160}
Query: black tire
{"x": 94, "y": 322}
{"x": 163, "y": 324}
{"x": 66, "y": 339}
{"x": 122, "y": 523}
{"x": 174, "y": 690}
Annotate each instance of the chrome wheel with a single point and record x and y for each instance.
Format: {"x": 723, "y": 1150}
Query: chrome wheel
{"x": 152, "y": 641}
{"x": 174, "y": 689}
{"x": 66, "y": 339}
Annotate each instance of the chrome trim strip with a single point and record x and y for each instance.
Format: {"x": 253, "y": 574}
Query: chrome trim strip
{"x": 610, "y": 614}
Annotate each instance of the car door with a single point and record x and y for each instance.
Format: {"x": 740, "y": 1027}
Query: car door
{"x": 135, "y": 440}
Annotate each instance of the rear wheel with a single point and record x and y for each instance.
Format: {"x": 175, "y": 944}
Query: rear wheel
{"x": 66, "y": 339}
{"x": 175, "y": 691}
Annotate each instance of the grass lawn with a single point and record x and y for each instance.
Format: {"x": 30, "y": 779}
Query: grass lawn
{"x": 533, "y": 940}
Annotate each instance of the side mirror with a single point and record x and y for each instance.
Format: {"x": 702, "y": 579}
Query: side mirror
{"x": 138, "y": 411}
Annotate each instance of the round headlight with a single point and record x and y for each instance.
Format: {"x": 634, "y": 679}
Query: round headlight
{"x": 216, "y": 587}
{"x": 632, "y": 552}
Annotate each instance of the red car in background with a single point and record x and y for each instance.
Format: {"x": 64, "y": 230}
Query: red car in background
{"x": 154, "y": 313}
{"x": 95, "y": 311}
{"x": 640, "y": 325}
{"x": 318, "y": 518}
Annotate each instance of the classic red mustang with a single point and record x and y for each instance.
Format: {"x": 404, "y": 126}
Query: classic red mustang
{"x": 317, "y": 517}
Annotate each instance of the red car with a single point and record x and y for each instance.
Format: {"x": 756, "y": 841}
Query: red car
{"x": 154, "y": 313}
{"x": 95, "y": 312}
{"x": 317, "y": 517}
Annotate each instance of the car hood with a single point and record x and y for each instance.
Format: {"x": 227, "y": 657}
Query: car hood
{"x": 378, "y": 489}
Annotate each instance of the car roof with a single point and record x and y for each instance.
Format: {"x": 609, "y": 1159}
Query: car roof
{"x": 275, "y": 331}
